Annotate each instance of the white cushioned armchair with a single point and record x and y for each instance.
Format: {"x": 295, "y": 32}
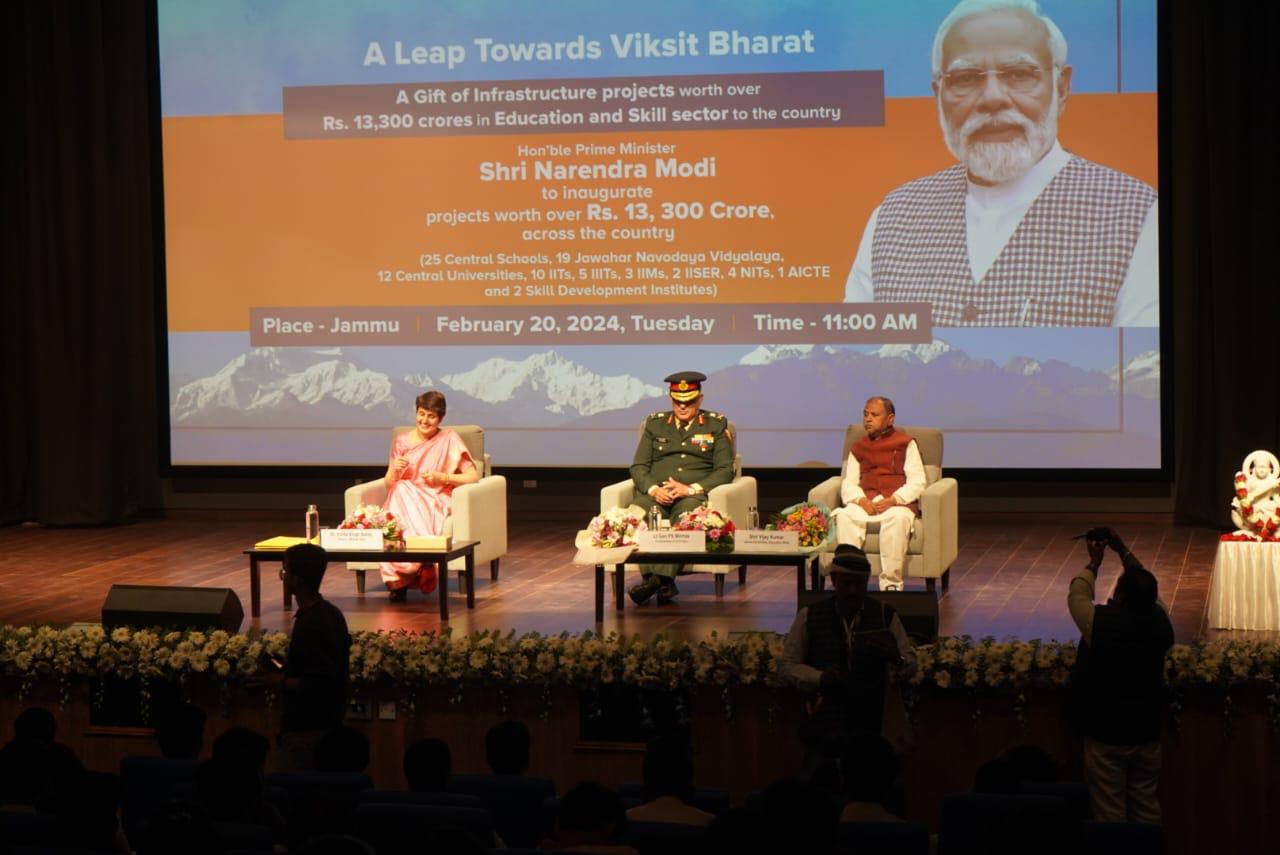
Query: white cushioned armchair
{"x": 734, "y": 500}
{"x": 933, "y": 545}
{"x": 479, "y": 509}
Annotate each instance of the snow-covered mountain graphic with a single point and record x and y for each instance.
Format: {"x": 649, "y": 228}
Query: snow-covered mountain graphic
{"x": 790, "y": 404}
{"x": 797, "y": 387}
{"x": 782, "y": 386}
{"x": 549, "y": 382}
{"x": 325, "y": 387}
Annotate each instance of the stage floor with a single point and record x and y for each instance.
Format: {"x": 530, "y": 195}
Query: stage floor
{"x": 1010, "y": 580}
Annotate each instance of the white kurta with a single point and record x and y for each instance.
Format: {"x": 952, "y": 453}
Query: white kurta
{"x": 895, "y": 522}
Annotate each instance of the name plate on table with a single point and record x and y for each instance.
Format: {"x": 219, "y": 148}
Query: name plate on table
{"x": 669, "y": 540}
{"x": 763, "y": 540}
{"x": 351, "y": 538}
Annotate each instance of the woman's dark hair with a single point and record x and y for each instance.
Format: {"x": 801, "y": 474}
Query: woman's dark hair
{"x": 432, "y": 401}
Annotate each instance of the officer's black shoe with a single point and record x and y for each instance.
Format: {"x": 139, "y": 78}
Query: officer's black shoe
{"x": 667, "y": 591}
{"x": 642, "y": 593}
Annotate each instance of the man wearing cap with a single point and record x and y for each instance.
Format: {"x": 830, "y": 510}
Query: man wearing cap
{"x": 883, "y": 480}
{"x": 852, "y": 653}
{"x": 683, "y": 454}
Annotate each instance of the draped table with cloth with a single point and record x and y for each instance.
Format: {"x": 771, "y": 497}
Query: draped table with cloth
{"x": 1245, "y": 593}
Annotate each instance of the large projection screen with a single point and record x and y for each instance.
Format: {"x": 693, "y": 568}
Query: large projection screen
{"x": 543, "y": 208}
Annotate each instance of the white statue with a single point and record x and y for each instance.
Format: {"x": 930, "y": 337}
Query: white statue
{"x": 1256, "y": 507}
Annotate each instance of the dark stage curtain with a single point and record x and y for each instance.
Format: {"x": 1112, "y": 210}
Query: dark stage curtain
{"x": 1225, "y": 246}
{"x": 78, "y": 428}
{"x": 79, "y": 336}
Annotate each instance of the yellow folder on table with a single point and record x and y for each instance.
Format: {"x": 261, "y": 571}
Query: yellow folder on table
{"x": 279, "y": 542}
{"x": 428, "y": 541}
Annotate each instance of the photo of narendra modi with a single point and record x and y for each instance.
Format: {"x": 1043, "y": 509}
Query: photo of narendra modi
{"x": 1019, "y": 231}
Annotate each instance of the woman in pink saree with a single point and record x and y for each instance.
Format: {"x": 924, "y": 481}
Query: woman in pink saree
{"x": 426, "y": 464}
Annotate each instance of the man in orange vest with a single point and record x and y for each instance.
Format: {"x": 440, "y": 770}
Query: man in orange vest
{"x": 883, "y": 480}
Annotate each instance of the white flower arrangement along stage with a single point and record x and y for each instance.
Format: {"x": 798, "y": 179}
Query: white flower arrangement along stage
{"x": 448, "y": 663}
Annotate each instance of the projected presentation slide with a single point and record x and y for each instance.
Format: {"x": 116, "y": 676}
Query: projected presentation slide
{"x": 541, "y": 209}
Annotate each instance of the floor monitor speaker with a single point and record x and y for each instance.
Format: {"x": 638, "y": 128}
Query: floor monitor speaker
{"x": 172, "y": 607}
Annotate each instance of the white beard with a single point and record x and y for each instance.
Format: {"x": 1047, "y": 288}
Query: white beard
{"x": 998, "y": 162}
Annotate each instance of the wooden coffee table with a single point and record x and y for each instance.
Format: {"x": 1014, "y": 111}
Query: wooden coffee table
{"x": 798, "y": 560}
{"x": 465, "y": 549}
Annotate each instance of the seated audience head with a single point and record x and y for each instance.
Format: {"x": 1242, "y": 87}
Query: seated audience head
{"x": 739, "y": 831}
{"x": 244, "y": 742}
{"x": 180, "y": 730}
{"x": 230, "y": 788}
{"x": 1030, "y": 763}
{"x": 36, "y": 723}
{"x": 1136, "y": 589}
{"x": 180, "y": 827}
{"x": 26, "y": 773}
{"x": 590, "y": 815}
{"x": 997, "y": 777}
{"x": 1046, "y": 829}
{"x": 304, "y": 566}
{"x": 506, "y": 748}
{"x": 804, "y": 814}
{"x": 668, "y": 767}
{"x": 343, "y": 749}
{"x": 334, "y": 844}
{"x": 868, "y": 766}
{"x": 88, "y": 810}
{"x": 428, "y": 766}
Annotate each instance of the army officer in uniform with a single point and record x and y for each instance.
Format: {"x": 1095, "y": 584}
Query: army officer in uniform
{"x": 682, "y": 455}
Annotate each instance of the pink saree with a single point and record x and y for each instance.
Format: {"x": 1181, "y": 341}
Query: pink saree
{"x": 422, "y": 509}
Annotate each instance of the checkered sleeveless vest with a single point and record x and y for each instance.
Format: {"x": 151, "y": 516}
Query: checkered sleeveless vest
{"x": 1063, "y": 266}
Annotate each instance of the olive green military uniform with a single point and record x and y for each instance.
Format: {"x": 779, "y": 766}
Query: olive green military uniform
{"x": 698, "y": 452}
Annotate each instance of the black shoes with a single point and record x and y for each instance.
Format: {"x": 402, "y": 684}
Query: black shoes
{"x": 642, "y": 593}
{"x": 399, "y": 595}
{"x": 662, "y": 586}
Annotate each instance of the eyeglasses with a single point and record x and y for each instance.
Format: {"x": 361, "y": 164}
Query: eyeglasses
{"x": 1013, "y": 78}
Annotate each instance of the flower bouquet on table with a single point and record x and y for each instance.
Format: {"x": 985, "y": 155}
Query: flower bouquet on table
{"x": 812, "y": 520}
{"x": 719, "y": 528}
{"x": 374, "y": 517}
{"x": 610, "y": 537}
{"x": 616, "y": 527}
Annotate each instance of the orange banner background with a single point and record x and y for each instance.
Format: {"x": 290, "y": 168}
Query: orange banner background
{"x": 253, "y": 219}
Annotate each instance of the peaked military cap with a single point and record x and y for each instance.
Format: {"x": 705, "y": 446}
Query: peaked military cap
{"x": 685, "y": 385}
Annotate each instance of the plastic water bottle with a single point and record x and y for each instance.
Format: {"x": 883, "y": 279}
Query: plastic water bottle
{"x": 655, "y": 518}
{"x": 313, "y": 524}
{"x": 753, "y": 518}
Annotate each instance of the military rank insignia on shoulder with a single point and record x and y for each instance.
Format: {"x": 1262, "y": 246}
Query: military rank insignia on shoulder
{"x": 659, "y": 415}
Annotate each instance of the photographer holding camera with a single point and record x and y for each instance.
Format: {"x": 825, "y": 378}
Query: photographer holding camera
{"x": 1117, "y": 683}
{"x": 851, "y": 652}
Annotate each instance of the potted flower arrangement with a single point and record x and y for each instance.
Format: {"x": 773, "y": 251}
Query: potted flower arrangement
{"x": 718, "y": 528}
{"x": 810, "y": 519}
{"x": 376, "y": 518}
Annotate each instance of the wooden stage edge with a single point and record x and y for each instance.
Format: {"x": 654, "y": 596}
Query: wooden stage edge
{"x": 1009, "y": 581}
